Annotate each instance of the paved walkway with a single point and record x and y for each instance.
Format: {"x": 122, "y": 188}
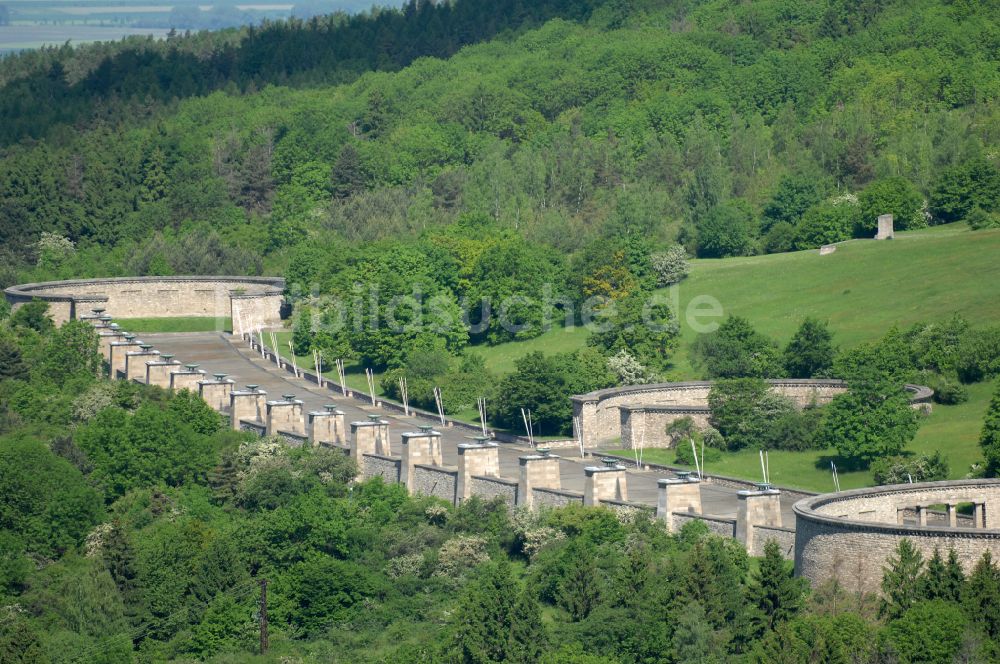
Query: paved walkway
{"x": 223, "y": 353}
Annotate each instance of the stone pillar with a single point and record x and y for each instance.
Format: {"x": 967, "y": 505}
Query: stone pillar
{"x": 885, "y": 231}
{"x": 586, "y": 414}
{"x": 216, "y": 392}
{"x": 978, "y": 510}
{"x": 326, "y": 427}
{"x": 761, "y": 507}
{"x": 105, "y": 338}
{"x": 537, "y": 470}
{"x": 922, "y": 514}
{"x": 116, "y": 361}
{"x": 479, "y": 458}
{"x": 952, "y": 510}
{"x": 135, "y": 362}
{"x": 186, "y": 378}
{"x": 249, "y": 404}
{"x": 158, "y": 371}
{"x": 423, "y": 447}
{"x": 371, "y": 437}
{"x": 604, "y": 483}
{"x": 285, "y": 415}
{"x": 677, "y": 495}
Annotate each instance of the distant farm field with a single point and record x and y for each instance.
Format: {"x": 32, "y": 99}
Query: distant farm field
{"x": 18, "y": 37}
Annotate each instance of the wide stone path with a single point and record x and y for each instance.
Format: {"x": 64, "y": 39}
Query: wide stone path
{"x": 224, "y": 353}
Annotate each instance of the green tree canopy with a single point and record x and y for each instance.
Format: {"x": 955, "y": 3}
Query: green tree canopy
{"x": 736, "y": 350}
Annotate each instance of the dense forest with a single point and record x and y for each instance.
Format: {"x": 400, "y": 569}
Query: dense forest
{"x": 539, "y": 154}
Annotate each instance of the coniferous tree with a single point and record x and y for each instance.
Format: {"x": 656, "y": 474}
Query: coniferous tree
{"x": 347, "y": 176}
{"x": 776, "y": 592}
{"x": 954, "y": 578}
{"x": 493, "y": 618}
{"x": 982, "y": 597}
{"x": 11, "y": 363}
{"x": 528, "y": 639}
{"x": 933, "y": 580}
{"x": 154, "y": 177}
{"x": 900, "y": 581}
{"x": 119, "y": 558}
{"x": 580, "y": 589}
{"x": 302, "y": 332}
{"x": 989, "y": 439}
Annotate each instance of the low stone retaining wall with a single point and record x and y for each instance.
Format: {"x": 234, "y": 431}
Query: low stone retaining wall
{"x": 377, "y": 465}
{"x": 784, "y": 536}
{"x": 556, "y": 497}
{"x": 719, "y": 525}
{"x": 625, "y": 508}
{"x": 258, "y": 428}
{"x": 435, "y": 481}
{"x": 488, "y": 488}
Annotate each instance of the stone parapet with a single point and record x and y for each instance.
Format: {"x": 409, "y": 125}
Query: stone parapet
{"x": 653, "y": 406}
{"x": 539, "y": 471}
{"x": 328, "y": 426}
{"x": 240, "y": 298}
{"x": 419, "y": 447}
{"x": 481, "y": 459}
{"x": 249, "y": 404}
{"x": 677, "y": 495}
{"x": 604, "y": 483}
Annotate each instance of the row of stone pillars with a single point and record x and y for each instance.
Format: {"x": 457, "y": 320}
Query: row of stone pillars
{"x": 755, "y": 508}
{"x": 131, "y": 359}
{"x": 923, "y": 510}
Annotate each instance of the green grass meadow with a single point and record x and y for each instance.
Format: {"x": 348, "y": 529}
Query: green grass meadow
{"x": 188, "y": 324}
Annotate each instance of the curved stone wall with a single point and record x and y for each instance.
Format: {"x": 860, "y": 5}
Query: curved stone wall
{"x": 849, "y": 535}
{"x": 244, "y": 299}
{"x": 639, "y": 414}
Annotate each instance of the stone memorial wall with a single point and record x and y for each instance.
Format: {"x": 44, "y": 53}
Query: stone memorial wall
{"x": 244, "y": 299}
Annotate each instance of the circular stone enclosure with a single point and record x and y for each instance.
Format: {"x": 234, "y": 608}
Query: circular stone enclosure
{"x": 639, "y": 414}
{"x": 849, "y": 536}
{"x": 249, "y": 301}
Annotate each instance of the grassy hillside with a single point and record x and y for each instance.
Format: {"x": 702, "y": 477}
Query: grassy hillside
{"x": 862, "y": 289}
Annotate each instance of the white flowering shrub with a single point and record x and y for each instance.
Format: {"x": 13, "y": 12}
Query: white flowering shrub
{"x": 629, "y": 370}
{"x": 670, "y": 266}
